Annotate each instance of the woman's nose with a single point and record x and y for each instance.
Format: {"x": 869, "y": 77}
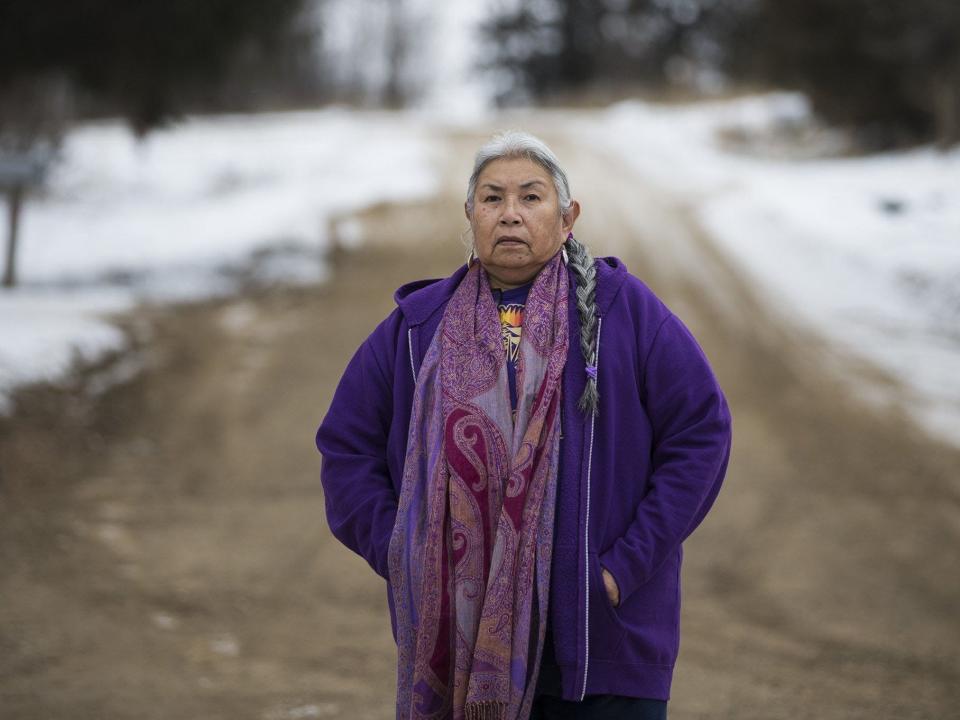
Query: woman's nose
{"x": 510, "y": 214}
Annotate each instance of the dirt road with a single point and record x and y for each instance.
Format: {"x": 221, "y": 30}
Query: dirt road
{"x": 163, "y": 551}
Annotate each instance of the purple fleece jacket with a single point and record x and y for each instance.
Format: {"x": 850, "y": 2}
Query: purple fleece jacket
{"x": 633, "y": 482}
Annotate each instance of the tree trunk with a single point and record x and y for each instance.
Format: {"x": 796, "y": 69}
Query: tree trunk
{"x": 393, "y": 92}
{"x": 14, "y": 200}
{"x": 947, "y": 109}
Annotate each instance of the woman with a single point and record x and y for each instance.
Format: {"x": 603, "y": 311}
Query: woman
{"x": 524, "y": 488}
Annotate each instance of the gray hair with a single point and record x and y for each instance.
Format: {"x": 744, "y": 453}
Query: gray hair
{"x": 519, "y": 144}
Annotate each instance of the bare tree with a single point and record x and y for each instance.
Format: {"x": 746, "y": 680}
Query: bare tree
{"x": 33, "y": 115}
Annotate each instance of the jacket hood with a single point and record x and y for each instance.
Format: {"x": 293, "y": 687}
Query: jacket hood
{"x": 418, "y": 300}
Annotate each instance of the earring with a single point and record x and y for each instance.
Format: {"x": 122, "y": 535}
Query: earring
{"x": 472, "y": 253}
{"x": 563, "y": 249}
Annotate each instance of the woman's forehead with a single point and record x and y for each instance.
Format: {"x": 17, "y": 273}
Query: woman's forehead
{"x": 509, "y": 172}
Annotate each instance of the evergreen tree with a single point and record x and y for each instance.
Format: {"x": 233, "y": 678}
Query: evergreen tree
{"x": 889, "y": 69}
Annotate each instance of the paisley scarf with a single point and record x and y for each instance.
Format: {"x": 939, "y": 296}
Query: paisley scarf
{"x": 469, "y": 556}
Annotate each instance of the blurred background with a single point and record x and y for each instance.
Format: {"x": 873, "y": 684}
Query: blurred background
{"x": 207, "y": 207}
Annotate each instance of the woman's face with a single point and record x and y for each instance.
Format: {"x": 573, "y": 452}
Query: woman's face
{"x": 516, "y": 221}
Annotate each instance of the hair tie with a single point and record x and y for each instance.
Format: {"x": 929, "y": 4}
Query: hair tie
{"x": 591, "y": 371}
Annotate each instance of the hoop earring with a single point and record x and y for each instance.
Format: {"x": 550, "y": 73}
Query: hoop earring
{"x": 471, "y": 256}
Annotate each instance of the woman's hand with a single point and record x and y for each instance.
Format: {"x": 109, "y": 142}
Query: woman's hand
{"x": 610, "y": 585}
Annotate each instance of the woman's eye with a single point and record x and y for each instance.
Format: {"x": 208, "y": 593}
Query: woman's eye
{"x": 491, "y": 198}
{"x": 531, "y": 196}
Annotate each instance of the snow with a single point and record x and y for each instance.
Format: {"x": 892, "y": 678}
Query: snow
{"x": 189, "y": 212}
{"x": 43, "y": 332}
{"x": 864, "y": 250}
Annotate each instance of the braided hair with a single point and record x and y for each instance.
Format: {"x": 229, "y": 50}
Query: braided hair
{"x": 581, "y": 264}
{"x": 516, "y": 143}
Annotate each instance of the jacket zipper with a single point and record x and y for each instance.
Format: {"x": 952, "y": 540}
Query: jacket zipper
{"x": 586, "y": 544}
{"x": 413, "y": 369}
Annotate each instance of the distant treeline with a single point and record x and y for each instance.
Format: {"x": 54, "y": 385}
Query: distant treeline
{"x": 887, "y": 69}
{"x": 150, "y": 61}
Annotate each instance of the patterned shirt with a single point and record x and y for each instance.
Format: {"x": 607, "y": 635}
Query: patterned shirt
{"x": 510, "y": 304}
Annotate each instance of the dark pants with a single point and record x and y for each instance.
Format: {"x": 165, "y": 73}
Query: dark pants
{"x": 598, "y": 707}
{"x": 547, "y": 704}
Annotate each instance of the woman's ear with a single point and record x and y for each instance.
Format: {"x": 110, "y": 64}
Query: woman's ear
{"x": 466, "y": 211}
{"x": 570, "y": 217}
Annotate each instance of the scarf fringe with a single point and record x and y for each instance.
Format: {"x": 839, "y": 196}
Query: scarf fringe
{"x": 486, "y": 710}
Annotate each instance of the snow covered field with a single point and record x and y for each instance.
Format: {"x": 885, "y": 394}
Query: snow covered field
{"x": 180, "y": 214}
{"x": 865, "y": 250}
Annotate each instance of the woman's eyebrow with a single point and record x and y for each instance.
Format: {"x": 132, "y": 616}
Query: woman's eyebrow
{"x": 528, "y": 183}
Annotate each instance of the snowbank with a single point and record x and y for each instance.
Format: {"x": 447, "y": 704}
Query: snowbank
{"x": 167, "y": 218}
{"x": 865, "y": 250}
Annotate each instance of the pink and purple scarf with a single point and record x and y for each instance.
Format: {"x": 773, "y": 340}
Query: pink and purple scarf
{"x": 469, "y": 557}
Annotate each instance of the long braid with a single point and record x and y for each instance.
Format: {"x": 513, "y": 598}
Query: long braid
{"x": 585, "y": 276}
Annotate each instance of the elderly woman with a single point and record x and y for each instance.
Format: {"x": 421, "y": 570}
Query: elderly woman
{"x": 520, "y": 450}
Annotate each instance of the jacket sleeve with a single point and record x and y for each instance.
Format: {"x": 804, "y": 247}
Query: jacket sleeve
{"x": 692, "y": 435}
{"x": 359, "y": 496}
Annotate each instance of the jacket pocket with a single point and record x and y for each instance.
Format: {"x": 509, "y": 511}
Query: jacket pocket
{"x": 606, "y": 631}
{"x": 600, "y": 585}
{"x": 650, "y": 618}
